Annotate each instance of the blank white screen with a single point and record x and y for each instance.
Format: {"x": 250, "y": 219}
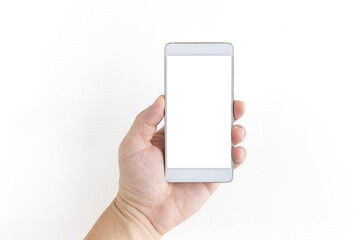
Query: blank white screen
{"x": 198, "y": 111}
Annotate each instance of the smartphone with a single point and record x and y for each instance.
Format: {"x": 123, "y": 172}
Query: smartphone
{"x": 199, "y": 83}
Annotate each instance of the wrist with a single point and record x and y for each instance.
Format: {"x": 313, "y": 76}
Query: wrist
{"x": 137, "y": 224}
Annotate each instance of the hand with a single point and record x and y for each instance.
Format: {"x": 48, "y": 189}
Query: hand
{"x": 144, "y": 192}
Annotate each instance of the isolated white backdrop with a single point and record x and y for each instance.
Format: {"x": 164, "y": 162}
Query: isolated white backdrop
{"x": 74, "y": 74}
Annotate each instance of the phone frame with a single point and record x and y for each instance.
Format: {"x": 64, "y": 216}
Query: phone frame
{"x": 200, "y": 49}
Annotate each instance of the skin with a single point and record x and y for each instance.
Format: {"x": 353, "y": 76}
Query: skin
{"x": 147, "y": 206}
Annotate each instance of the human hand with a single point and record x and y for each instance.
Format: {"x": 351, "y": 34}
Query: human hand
{"x": 145, "y": 197}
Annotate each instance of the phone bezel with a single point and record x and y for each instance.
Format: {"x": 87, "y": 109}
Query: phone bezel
{"x": 199, "y": 49}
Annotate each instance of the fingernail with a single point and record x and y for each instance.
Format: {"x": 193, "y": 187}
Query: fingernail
{"x": 242, "y": 132}
{"x": 242, "y": 153}
{"x": 158, "y": 99}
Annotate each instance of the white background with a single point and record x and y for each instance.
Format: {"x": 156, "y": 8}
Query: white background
{"x": 198, "y": 98}
{"x": 74, "y": 74}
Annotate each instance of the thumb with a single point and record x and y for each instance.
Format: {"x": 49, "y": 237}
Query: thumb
{"x": 144, "y": 126}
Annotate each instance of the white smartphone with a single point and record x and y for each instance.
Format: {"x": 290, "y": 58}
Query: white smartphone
{"x": 199, "y": 83}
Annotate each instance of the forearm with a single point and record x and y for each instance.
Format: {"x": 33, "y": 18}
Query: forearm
{"x": 120, "y": 221}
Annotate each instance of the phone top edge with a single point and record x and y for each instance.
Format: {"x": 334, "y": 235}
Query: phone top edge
{"x": 199, "y": 49}
{"x": 198, "y": 43}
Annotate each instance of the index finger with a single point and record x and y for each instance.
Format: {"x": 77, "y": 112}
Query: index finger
{"x": 239, "y": 109}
